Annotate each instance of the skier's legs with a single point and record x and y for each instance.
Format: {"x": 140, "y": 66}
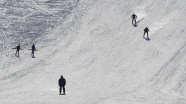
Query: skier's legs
{"x": 32, "y": 53}
{"x": 135, "y": 21}
{"x": 63, "y": 89}
{"x": 60, "y": 90}
{"x": 18, "y": 52}
{"x": 144, "y": 34}
{"x": 147, "y": 35}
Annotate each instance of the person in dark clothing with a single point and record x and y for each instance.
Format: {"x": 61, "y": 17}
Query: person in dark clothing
{"x": 146, "y": 30}
{"x": 62, "y": 83}
{"x": 17, "y": 50}
{"x": 134, "y": 17}
{"x": 33, "y": 49}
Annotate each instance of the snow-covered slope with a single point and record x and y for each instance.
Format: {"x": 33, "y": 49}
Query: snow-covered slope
{"x": 101, "y": 54}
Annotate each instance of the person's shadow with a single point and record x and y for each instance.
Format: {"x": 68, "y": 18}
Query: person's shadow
{"x": 147, "y": 38}
{"x": 135, "y": 25}
{"x": 140, "y": 20}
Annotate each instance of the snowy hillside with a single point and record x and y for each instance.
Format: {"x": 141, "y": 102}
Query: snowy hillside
{"x": 93, "y": 44}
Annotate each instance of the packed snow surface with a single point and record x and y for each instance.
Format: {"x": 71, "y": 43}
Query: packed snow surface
{"x": 93, "y": 44}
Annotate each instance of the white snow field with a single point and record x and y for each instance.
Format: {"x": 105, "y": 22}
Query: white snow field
{"x": 93, "y": 44}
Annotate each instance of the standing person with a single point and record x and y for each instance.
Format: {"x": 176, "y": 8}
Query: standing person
{"x": 134, "y": 17}
{"x": 17, "y": 50}
{"x": 33, "y": 49}
{"x": 62, "y": 83}
{"x": 146, "y": 30}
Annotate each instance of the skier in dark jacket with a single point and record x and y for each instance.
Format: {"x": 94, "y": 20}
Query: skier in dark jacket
{"x": 17, "y": 50}
{"x": 134, "y": 17}
{"x": 62, "y": 83}
{"x": 33, "y": 49}
{"x": 146, "y": 30}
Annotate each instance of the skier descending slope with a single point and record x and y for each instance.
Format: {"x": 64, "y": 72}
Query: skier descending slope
{"x": 62, "y": 83}
{"x": 33, "y": 49}
{"x": 17, "y": 50}
{"x": 134, "y": 17}
{"x": 146, "y": 30}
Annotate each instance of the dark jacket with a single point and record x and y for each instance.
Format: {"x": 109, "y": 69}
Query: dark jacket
{"x": 134, "y": 16}
{"x": 146, "y": 30}
{"x": 18, "y": 47}
{"x": 33, "y": 48}
{"x": 62, "y": 82}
